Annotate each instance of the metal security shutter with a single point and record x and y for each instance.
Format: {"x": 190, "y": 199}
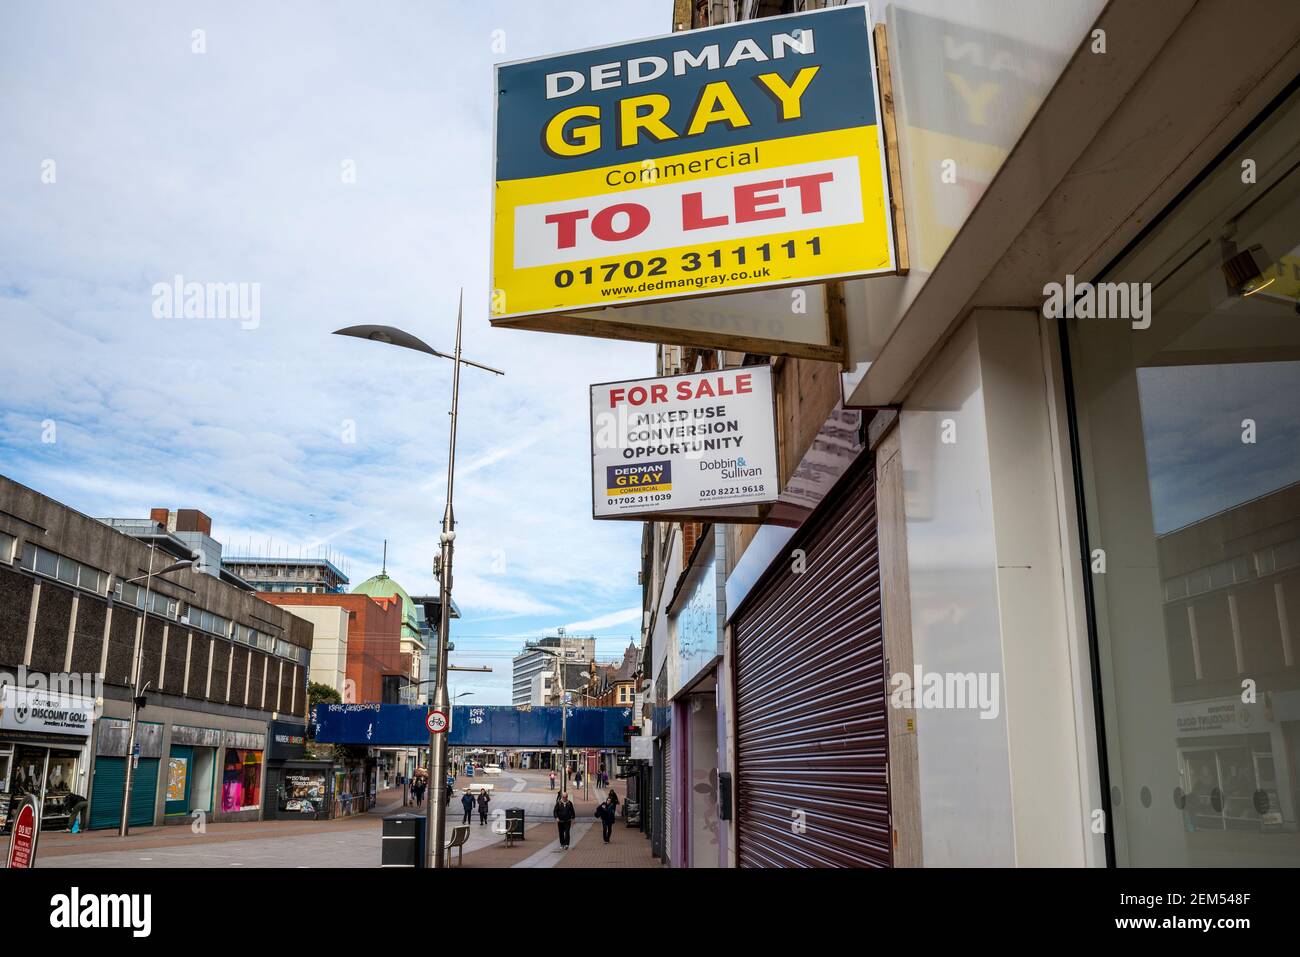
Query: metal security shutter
{"x": 668, "y": 798}
{"x": 811, "y": 746}
{"x": 110, "y": 785}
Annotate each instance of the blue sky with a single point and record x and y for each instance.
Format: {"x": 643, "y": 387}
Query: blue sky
{"x": 229, "y": 166}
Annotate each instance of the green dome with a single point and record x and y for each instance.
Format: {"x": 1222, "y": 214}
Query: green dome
{"x": 381, "y": 586}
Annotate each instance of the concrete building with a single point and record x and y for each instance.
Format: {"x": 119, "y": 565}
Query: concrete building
{"x": 376, "y": 670}
{"x": 539, "y": 659}
{"x": 411, "y": 638}
{"x": 181, "y": 532}
{"x": 1047, "y": 551}
{"x": 218, "y": 664}
{"x": 309, "y": 575}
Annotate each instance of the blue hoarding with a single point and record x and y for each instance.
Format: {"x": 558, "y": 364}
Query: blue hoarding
{"x": 503, "y": 726}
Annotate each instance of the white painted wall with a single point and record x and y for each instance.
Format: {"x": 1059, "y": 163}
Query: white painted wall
{"x": 993, "y": 583}
{"x": 329, "y": 648}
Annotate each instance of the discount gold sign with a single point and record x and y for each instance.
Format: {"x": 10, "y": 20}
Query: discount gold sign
{"x": 720, "y": 160}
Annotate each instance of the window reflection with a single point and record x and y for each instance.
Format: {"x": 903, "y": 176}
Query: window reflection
{"x": 1189, "y": 438}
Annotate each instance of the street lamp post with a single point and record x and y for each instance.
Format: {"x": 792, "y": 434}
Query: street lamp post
{"x": 436, "y": 825}
{"x": 138, "y": 690}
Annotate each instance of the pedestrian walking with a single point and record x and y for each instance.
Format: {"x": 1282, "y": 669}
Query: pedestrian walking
{"x": 606, "y": 815}
{"x": 418, "y": 788}
{"x": 552, "y": 780}
{"x": 483, "y": 800}
{"x": 613, "y": 800}
{"x": 467, "y": 802}
{"x": 564, "y": 815}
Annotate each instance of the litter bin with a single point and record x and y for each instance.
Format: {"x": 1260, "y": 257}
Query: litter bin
{"x": 514, "y": 824}
{"x": 403, "y": 841}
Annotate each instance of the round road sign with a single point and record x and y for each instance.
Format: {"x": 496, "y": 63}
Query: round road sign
{"x": 436, "y": 722}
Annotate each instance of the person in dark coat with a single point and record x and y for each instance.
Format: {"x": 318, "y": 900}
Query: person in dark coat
{"x": 418, "y": 790}
{"x": 613, "y": 800}
{"x": 467, "y": 802}
{"x": 483, "y": 800}
{"x": 564, "y": 815}
{"x": 606, "y": 815}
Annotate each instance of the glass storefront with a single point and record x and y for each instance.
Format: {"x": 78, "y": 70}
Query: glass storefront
{"x": 1188, "y": 441}
{"x": 241, "y": 778}
{"x": 303, "y": 792}
{"x": 48, "y": 773}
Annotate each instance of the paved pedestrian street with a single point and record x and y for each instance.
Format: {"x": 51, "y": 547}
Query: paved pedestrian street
{"x": 355, "y": 841}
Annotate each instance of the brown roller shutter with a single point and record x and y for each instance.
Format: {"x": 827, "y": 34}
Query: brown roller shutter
{"x": 811, "y": 756}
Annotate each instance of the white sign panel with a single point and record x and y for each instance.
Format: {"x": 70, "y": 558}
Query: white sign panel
{"x": 686, "y": 442}
{"x": 33, "y": 709}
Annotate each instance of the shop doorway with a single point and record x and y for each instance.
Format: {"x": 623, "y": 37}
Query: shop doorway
{"x": 49, "y": 775}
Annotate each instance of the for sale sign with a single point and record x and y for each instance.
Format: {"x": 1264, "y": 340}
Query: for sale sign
{"x": 734, "y": 158}
{"x": 683, "y": 443}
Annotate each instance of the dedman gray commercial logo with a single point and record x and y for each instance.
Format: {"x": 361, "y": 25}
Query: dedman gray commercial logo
{"x": 76, "y": 910}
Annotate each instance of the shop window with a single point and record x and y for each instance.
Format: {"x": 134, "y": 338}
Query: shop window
{"x": 1188, "y": 438}
{"x": 241, "y": 780}
{"x": 303, "y": 792}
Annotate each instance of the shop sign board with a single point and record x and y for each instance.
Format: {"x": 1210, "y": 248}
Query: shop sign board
{"x": 41, "y": 711}
{"x": 1227, "y": 715}
{"x": 742, "y": 157}
{"x": 702, "y": 441}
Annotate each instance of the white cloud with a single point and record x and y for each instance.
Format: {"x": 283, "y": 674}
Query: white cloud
{"x": 606, "y": 621}
{"x": 225, "y": 166}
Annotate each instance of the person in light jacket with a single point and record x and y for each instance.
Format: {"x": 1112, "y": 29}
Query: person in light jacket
{"x": 564, "y": 815}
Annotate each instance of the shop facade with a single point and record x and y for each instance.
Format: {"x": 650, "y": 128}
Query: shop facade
{"x": 191, "y": 766}
{"x": 191, "y": 775}
{"x": 296, "y": 786}
{"x": 1069, "y": 620}
{"x": 1086, "y": 475}
{"x": 44, "y": 751}
{"x": 76, "y": 637}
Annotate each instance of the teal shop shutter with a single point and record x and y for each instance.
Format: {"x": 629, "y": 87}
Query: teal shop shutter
{"x": 109, "y": 786}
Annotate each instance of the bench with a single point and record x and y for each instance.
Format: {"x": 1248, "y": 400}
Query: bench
{"x": 459, "y": 835}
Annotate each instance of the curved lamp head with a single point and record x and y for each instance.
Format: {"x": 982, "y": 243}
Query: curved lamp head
{"x": 393, "y": 336}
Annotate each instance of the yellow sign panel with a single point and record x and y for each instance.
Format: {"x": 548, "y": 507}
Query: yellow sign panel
{"x": 736, "y": 158}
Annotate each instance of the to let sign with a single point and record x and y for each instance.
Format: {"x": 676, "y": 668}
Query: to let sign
{"x": 705, "y": 441}
{"x": 22, "y": 840}
{"x": 734, "y": 158}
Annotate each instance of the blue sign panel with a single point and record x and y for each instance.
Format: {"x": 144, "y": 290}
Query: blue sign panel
{"x": 402, "y": 725}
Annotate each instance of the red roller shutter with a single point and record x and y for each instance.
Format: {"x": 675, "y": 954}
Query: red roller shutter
{"x": 811, "y": 746}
